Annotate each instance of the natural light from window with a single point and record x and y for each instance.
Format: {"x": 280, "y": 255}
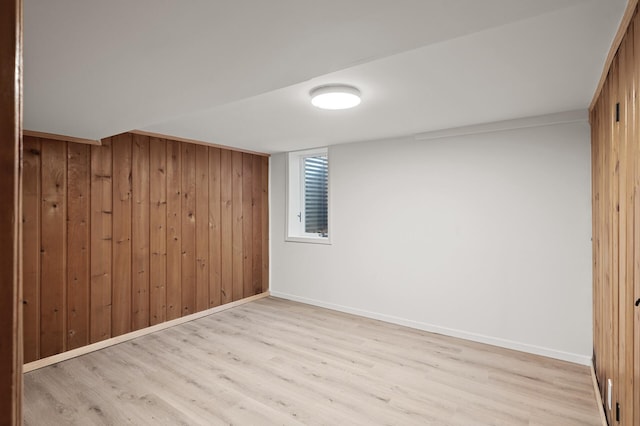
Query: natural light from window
{"x": 308, "y": 196}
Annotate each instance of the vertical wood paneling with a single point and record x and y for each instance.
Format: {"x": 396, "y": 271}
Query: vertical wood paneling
{"x": 614, "y": 203}
{"x": 598, "y": 245}
{"x": 256, "y": 210}
{"x": 608, "y": 219}
{"x": 607, "y": 279}
{"x": 11, "y": 339}
{"x": 158, "y": 230}
{"x": 174, "y": 226}
{"x": 140, "y": 232}
{"x": 226, "y": 226}
{"x": 121, "y": 303}
{"x": 101, "y": 240}
{"x": 53, "y": 249}
{"x": 188, "y": 228}
{"x": 135, "y": 232}
{"x": 614, "y": 177}
{"x": 265, "y": 223}
{"x": 607, "y": 205}
{"x": 236, "y": 207}
{"x": 215, "y": 257}
{"x": 31, "y": 248}
{"x": 78, "y": 244}
{"x": 636, "y": 215}
{"x": 626, "y": 230}
{"x": 202, "y": 228}
{"x": 604, "y": 357}
{"x": 595, "y": 191}
{"x": 247, "y": 225}
{"x": 616, "y": 237}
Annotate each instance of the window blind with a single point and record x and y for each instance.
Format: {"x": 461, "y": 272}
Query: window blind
{"x": 316, "y": 189}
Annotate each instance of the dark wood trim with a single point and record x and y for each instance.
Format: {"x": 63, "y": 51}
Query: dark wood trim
{"x": 10, "y": 272}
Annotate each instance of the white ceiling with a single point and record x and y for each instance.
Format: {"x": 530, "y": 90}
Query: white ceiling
{"x": 238, "y": 72}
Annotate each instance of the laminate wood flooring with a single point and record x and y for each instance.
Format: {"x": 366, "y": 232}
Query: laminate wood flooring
{"x": 276, "y": 362}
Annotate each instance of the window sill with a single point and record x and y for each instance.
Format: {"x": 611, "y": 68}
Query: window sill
{"x": 309, "y": 240}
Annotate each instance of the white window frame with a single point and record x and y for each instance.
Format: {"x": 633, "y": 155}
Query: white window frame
{"x": 295, "y": 198}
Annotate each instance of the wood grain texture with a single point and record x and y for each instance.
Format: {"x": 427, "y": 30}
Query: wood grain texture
{"x": 121, "y": 268}
{"x": 158, "y": 231}
{"x": 635, "y": 188}
{"x": 101, "y": 240}
{"x": 202, "y": 228}
{"x": 53, "y": 249}
{"x": 247, "y": 225}
{"x": 614, "y": 226}
{"x": 596, "y": 390}
{"x": 140, "y": 260}
{"x": 143, "y": 235}
{"x": 626, "y": 255}
{"x": 174, "y": 227}
{"x": 31, "y": 248}
{"x": 226, "y": 226}
{"x": 256, "y": 231}
{"x": 197, "y": 142}
{"x": 78, "y": 245}
{"x": 265, "y": 224}
{"x": 616, "y": 240}
{"x": 188, "y": 229}
{"x": 253, "y": 365}
{"x": 74, "y": 353}
{"x": 237, "y": 252}
{"x": 11, "y": 212}
{"x": 63, "y": 138}
{"x": 215, "y": 232}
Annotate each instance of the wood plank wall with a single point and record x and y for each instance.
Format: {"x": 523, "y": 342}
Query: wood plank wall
{"x": 135, "y": 232}
{"x": 615, "y": 126}
{"x": 10, "y": 225}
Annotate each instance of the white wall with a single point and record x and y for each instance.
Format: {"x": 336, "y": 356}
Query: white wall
{"x": 485, "y": 237}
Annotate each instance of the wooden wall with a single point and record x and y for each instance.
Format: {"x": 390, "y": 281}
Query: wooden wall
{"x": 615, "y": 124}
{"x": 10, "y": 128}
{"x": 135, "y": 232}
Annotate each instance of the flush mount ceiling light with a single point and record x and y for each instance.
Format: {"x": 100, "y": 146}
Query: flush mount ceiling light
{"x": 335, "y": 96}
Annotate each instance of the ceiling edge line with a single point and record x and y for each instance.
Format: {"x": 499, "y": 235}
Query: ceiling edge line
{"x": 197, "y": 142}
{"x": 504, "y": 125}
{"x": 56, "y": 137}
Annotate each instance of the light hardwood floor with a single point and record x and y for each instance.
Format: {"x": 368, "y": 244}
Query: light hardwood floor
{"x": 278, "y": 362}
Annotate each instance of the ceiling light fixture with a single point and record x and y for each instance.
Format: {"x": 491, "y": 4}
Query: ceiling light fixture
{"x": 335, "y": 96}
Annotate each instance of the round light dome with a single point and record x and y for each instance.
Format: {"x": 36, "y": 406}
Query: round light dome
{"x": 335, "y": 97}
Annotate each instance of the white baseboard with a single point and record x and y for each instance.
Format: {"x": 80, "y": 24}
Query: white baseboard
{"x": 54, "y": 359}
{"x": 495, "y": 341}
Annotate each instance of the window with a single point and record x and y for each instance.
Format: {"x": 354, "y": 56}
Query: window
{"x": 308, "y": 196}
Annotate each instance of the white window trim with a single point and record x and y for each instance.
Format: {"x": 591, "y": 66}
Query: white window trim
{"x": 293, "y": 183}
